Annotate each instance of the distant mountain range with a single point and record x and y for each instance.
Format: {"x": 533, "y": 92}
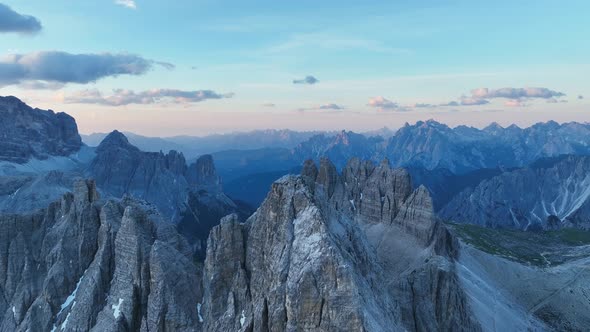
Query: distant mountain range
{"x": 433, "y": 152}
{"x": 432, "y": 145}
{"x": 194, "y": 146}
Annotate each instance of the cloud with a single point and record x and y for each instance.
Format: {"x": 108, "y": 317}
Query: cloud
{"x": 555, "y": 101}
{"x": 307, "y": 80}
{"x": 580, "y": 97}
{"x": 62, "y": 67}
{"x": 41, "y": 85}
{"x": 269, "y": 105}
{"x": 466, "y": 101}
{"x": 121, "y": 97}
{"x": 383, "y": 104}
{"x": 331, "y": 107}
{"x": 451, "y": 104}
{"x": 126, "y": 3}
{"x": 515, "y": 93}
{"x": 515, "y": 103}
{"x": 422, "y": 105}
{"x": 11, "y": 21}
{"x": 324, "y": 107}
{"x": 516, "y": 97}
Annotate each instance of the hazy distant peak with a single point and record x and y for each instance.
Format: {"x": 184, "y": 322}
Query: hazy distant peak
{"x": 116, "y": 139}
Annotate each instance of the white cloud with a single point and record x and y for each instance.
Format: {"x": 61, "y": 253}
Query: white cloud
{"x": 121, "y": 97}
{"x": 127, "y": 3}
{"x": 515, "y": 93}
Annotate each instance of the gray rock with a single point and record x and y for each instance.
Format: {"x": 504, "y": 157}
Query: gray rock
{"x": 201, "y": 174}
{"x": 27, "y": 133}
{"x": 323, "y": 257}
{"x": 190, "y": 196}
{"x": 82, "y": 264}
{"x": 551, "y": 194}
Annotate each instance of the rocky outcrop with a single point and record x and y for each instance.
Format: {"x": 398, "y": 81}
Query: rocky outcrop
{"x": 550, "y": 194}
{"x": 83, "y": 264}
{"x": 191, "y": 196}
{"x": 359, "y": 251}
{"x": 27, "y": 133}
{"x": 120, "y": 168}
{"x": 201, "y": 174}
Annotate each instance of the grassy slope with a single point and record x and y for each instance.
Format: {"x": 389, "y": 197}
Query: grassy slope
{"x": 535, "y": 248}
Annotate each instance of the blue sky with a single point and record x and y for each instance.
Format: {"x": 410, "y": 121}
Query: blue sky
{"x": 377, "y": 63}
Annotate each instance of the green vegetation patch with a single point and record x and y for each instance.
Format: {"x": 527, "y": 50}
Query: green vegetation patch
{"x": 535, "y": 248}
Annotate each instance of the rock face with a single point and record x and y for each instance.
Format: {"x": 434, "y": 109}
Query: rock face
{"x": 189, "y": 195}
{"x": 120, "y": 168}
{"x": 87, "y": 265}
{"x": 27, "y": 193}
{"x": 202, "y": 175}
{"x": 359, "y": 251}
{"x": 340, "y": 147}
{"x": 550, "y": 194}
{"x": 27, "y": 133}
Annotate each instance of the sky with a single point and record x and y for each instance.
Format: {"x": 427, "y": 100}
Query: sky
{"x": 192, "y": 67}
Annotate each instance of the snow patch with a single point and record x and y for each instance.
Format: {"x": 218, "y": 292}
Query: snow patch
{"x": 65, "y": 323}
{"x": 199, "y": 313}
{"x": 14, "y": 312}
{"x": 69, "y": 300}
{"x": 117, "y": 308}
{"x": 15, "y": 193}
{"x": 243, "y": 319}
{"x": 352, "y": 203}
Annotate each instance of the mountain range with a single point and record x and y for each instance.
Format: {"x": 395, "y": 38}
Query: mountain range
{"x": 194, "y": 146}
{"x": 430, "y": 228}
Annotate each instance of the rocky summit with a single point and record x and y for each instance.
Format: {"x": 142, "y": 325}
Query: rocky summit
{"x": 83, "y": 264}
{"x": 357, "y": 251}
{"x": 362, "y": 251}
{"x": 188, "y": 195}
{"x": 27, "y": 133}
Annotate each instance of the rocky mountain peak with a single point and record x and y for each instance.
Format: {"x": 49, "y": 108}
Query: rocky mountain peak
{"x": 12, "y": 104}
{"x": 202, "y": 174}
{"x": 307, "y": 260}
{"x": 27, "y": 133}
{"x": 327, "y": 176}
{"x": 85, "y": 191}
{"x": 116, "y": 140}
{"x": 343, "y": 138}
{"x": 310, "y": 169}
{"x": 493, "y": 127}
